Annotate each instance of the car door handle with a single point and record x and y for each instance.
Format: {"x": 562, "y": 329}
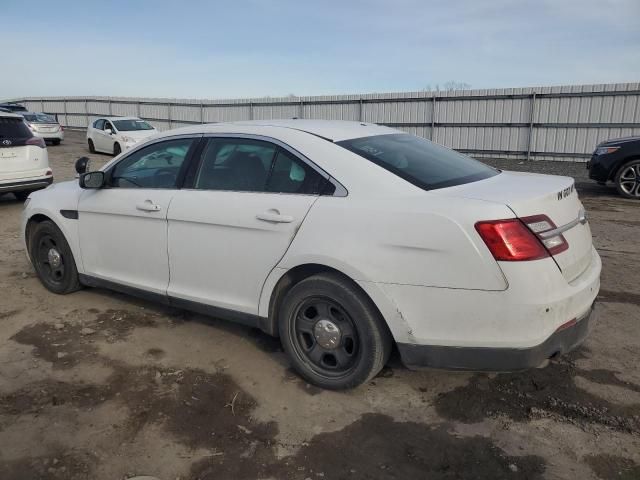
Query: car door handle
{"x": 148, "y": 206}
{"x": 274, "y": 217}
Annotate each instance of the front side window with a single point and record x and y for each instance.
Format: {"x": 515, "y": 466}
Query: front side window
{"x": 131, "y": 125}
{"x": 155, "y": 166}
{"x": 419, "y": 161}
{"x": 99, "y": 124}
{"x": 108, "y": 126}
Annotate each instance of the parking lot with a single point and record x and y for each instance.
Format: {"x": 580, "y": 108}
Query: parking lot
{"x": 105, "y": 386}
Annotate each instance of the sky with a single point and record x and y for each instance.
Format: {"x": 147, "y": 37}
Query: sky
{"x": 256, "y": 48}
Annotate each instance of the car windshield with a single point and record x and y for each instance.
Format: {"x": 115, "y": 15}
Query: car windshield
{"x": 39, "y": 118}
{"x": 131, "y": 125}
{"x": 419, "y": 161}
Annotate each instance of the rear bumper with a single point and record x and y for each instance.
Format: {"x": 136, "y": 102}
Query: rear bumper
{"x": 560, "y": 342}
{"x": 26, "y": 184}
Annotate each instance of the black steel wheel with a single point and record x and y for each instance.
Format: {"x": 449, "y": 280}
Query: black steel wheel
{"x": 332, "y": 332}
{"x": 325, "y": 335}
{"x": 52, "y": 258}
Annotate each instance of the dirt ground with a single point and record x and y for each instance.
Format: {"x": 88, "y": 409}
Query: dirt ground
{"x": 97, "y": 385}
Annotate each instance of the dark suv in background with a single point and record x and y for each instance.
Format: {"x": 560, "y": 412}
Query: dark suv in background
{"x": 618, "y": 160}
{"x": 12, "y": 107}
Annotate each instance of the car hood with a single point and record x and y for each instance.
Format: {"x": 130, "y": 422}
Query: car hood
{"x": 139, "y": 134}
{"x": 618, "y": 141}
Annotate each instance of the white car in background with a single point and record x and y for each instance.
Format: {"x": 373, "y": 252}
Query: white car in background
{"x": 24, "y": 162}
{"x": 342, "y": 238}
{"x": 116, "y": 134}
{"x": 45, "y": 126}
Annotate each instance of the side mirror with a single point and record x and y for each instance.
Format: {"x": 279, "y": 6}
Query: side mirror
{"x": 108, "y": 131}
{"x": 82, "y": 165}
{"x": 92, "y": 180}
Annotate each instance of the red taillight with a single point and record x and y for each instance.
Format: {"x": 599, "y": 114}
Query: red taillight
{"x": 61, "y": 128}
{"x": 37, "y": 141}
{"x": 540, "y": 225}
{"x": 510, "y": 240}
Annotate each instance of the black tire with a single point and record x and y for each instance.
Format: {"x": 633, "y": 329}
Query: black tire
{"x": 92, "y": 147}
{"x": 22, "y": 195}
{"x": 56, "y": 141}
{"x": 628, "y": 180}
{"x": 116, "y": 149}
{"x": 359, "y": 349}
{"x": 62, "y": 277}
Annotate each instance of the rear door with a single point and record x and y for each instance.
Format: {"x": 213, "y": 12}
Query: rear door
{"x": 227, "y": 232}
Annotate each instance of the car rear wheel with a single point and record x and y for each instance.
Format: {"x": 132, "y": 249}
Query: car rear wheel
{"x": 116, "y": 149}
{"x": 628, "y": 180}
{"x": 92, "y": 147}
{"x": 52, "y": 258}
{"x": 332, "y": 332}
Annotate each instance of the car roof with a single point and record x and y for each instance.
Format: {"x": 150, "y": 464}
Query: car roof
{"x": 116, "y": 118}
{"x": 333, "y": 130}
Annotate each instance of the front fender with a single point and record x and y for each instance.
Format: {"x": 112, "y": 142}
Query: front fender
{"x": 49, "y": 203}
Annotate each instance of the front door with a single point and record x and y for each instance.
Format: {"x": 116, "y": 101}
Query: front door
{"x": 226, "y": 233}
{"x": 123, "y": 227}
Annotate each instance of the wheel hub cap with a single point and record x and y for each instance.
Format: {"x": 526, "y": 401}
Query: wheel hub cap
{"x": 54, "y": 258}
{"x": 327, "y": 334}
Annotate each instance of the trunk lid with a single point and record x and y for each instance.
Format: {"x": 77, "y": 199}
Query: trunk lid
{"x": 529, "y": 194}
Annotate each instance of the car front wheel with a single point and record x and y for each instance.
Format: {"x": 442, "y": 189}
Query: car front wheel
{"x": 116, "y": 149}
{"x": 52, "y": 258}
{"x": 332, "y": 332}
{"x": 628, "y": 180}
{"x": 92, "y": 147}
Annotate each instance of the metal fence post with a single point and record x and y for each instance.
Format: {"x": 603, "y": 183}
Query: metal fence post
{"x": 361, "y": 112}
{"x": 301, "y": 109}
{"x": 110, "y": 110}
{"x": 42, "y": 106}
{"x": 86, "y": 114}
{"x": 64, "y": 106}
{"x": 201, "y": 112}
{"x": 138, "y": 109}
{"x": 250, "y": 110}
{"x": 531, "y": 118}
{"x": 433, "y": 117}
{"x": 169, "y": 114}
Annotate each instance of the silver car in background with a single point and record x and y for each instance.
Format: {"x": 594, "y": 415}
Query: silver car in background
{"x": 45, "y": 126}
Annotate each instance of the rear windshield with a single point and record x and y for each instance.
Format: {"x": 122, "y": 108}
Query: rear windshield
{"x": 13, "y": 128}
{"x": 131, "y": 125}
{"x": 419, "y": 161}
{"x": 39, "y": 118}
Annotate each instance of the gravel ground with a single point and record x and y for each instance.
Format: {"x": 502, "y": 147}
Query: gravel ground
{"x": 98, "y": 385}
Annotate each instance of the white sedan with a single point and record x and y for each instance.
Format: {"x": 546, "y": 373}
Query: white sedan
{"x": 342, "y": 238}
{"x": 114, "y": 135}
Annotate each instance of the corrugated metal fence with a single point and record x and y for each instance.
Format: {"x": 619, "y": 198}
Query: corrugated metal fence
{"x": 546, "y": 123}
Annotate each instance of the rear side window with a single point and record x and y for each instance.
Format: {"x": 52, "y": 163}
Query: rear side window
{"x": 235, "y": 164}
{"x": 419, "y": 161}
{"x": 290, "y": 175}
{"x": 11, "y": 128}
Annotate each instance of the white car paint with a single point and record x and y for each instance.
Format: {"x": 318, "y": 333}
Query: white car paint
{"x": 105, "y": 139}
{"x": 416, "y": 253}
{"x": 24, "y": 162}
{"x": 44, "y": 126}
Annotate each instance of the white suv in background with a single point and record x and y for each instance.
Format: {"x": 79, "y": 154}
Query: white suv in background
{"x": 24, "y": 162}
{"x": 115, "y": 134}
